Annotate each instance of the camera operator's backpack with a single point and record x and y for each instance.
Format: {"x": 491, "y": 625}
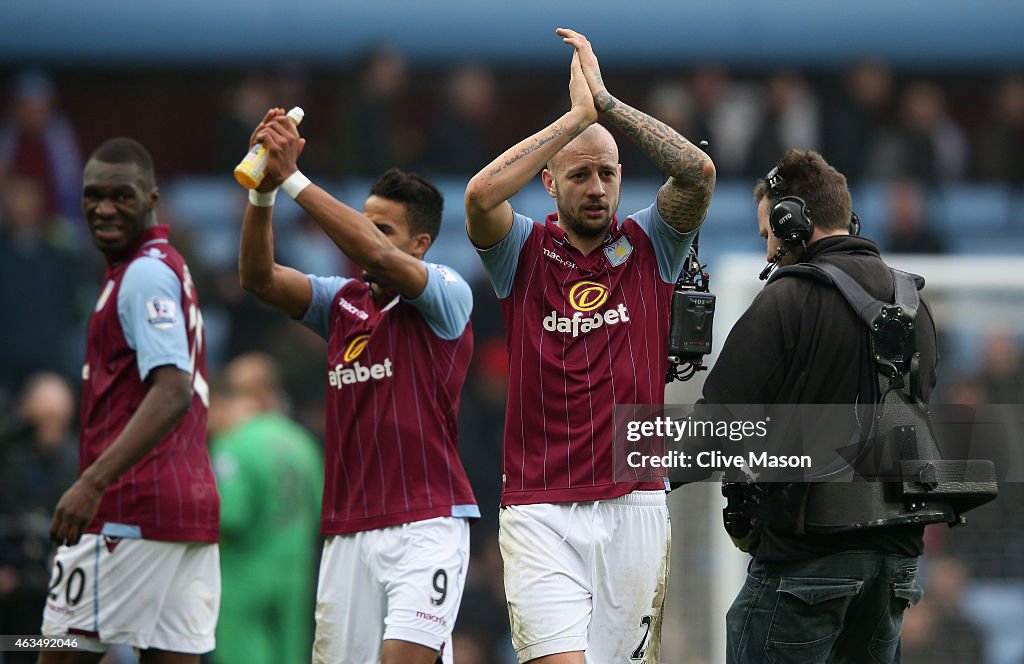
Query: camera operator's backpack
{"x": 908, "y": 481}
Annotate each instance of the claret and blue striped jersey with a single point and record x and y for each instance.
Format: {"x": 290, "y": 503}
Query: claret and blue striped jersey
{"x": 147, "y": 315}
{"x": 395, "y": 370}
{"x": 584, "y": 333}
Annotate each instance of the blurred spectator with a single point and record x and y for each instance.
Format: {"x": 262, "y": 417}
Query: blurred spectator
{"x": 926, "y": 145}
{"x": 247, "y": 100}
{"x": 38, "y": 289}
{"x": 908, "y": 231}
{"x": 245, "y": 104}
{"x": 38, "y": 462}
{"x": 482, "y": 410}
{"x": 481, "y": 430}
{"x": 968, "y": 427}
{"x": 300, "y": 353}
{"x": 1001, "y": 141}
{"x": 37, "y": 139}
{"x": 293, "y": 86}
{"x": 458, "y": 141}
{"x": 250, "y": 324}
{"x": 374, "y": 137}
{"x": 857, "y": 116}
{"x": 725, "y": 115}
{"x": 246, "y": 325}
{"x": 270, "y": 477}
{"x": 993, "y": 396}
{"x": 308, "y": 250}
{"x": 482, "y": 627}
{"x": 40, "y": 448}
{"x": 673, "y": 104}
{"x": 1000, "y": 376}
{"x": 966, "y": 392}
{"x": 935, "y": 631}
{"x": 947, "y": 580}
{"x": 993, "y": 546}
{"x": 670, "y": 102}
{"x": 993, "y": 542}
{"x": 791, "y": 118}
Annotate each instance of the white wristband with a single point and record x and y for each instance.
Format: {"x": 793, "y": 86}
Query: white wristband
{"x": 262, "y": 198}
{"x": 295, "y": 183}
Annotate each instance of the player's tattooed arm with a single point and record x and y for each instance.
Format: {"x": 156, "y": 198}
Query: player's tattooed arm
{"x": 518, "y": 152}
{"x": 684, "y": 198}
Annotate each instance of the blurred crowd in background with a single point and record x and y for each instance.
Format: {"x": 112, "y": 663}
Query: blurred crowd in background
{"x": 909, "y": 137}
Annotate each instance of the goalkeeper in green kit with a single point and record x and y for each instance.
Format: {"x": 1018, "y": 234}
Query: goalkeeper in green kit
{"x": 270, "y": 477}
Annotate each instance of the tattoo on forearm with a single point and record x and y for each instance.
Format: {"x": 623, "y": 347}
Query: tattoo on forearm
{"x": 684, "y": 198}
{"x": 528, "y": 149}
{"x": 669, "y": 151}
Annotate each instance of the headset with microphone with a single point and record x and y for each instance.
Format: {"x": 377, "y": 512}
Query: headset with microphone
{"x": 790, "y": 221}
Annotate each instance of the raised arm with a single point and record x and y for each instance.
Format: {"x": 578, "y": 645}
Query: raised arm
{"x": 353, "y": 233}
{"x": 683, "y": 200}
{"x": 488, "y": 213}
{"x": 279, "y": 286}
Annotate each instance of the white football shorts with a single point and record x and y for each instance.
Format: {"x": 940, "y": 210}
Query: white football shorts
{"x": 400, "y": 582}
{"x": 143, "y": 593}
{"x": 588, "y": 576}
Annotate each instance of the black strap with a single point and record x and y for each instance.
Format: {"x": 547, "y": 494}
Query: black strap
{"x": 932, "y": 490}
{"x": 867, "y": 307}
{"x": 805, "y": 270}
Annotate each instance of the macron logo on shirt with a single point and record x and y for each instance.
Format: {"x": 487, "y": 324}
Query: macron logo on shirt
{"x": 584, "y": 297}
{"x": 352, "y": 309}
{"x": 341, "y": 375}
{"x": 558, "y": 259}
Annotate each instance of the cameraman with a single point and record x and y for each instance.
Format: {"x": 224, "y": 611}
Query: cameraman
{"x": 835, "y": 597}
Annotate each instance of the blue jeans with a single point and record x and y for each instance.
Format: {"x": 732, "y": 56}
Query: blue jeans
{"x": 843, "y": 608}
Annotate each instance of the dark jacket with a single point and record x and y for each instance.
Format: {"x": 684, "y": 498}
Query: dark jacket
{"x": 801, "y": 343}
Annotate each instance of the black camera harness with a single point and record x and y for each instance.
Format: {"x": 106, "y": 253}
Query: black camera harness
{"x": 912, "y": 484}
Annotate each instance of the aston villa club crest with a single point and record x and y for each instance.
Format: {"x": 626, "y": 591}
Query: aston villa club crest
{"x": 618, "y": 252}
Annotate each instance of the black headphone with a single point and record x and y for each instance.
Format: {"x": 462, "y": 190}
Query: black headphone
{"x": 790, "y": 218}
